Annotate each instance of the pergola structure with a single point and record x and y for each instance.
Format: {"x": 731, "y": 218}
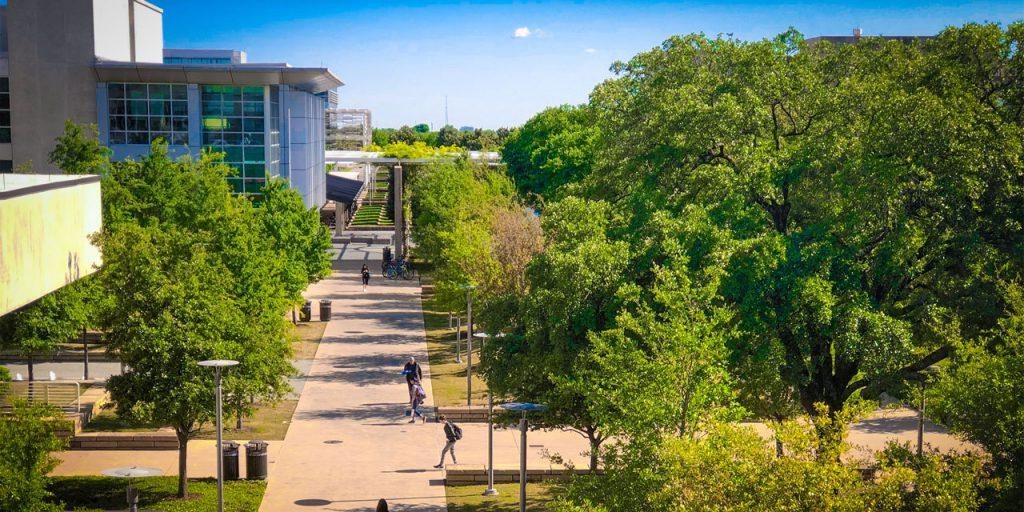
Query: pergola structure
{"x": 371, "y": 158}
{"x": 349, "y": 128}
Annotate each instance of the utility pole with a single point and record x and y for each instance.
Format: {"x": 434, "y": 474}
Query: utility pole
{"x": 445, "y": 110}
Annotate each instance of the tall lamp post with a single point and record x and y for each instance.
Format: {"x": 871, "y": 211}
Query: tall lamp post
{"x": 490, "y": 491}
{"x": 524, "y": 408}
{"x": 469, "y": 342}
{"x": 217, "y": 364}
{"x": 922, "y": 379}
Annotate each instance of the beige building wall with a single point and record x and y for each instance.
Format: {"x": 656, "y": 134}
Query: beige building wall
{"x": 45, "y": 224}
{"x": 53, "y": 45}
{"x": 50, "y": 57}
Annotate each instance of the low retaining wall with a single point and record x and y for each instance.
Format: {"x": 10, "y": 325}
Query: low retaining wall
{"x": 465, "y": 414}
{"x": 470, "y": 474}
{"x": 160, "y": 440}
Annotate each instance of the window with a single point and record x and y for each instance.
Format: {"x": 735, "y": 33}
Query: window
{"x": 142, "y": 113}
{"x": 5, "y": 109}
{"x": 6, "y": 166}
{"x": 233, "y": 123}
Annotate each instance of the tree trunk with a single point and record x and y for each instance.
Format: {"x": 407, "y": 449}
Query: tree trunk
{"x": 778, "y": 447}
{"x": 31, "y": 368}
{"x": 595, "y": 446}
{"x": 182, "y": 463}
{"x": 238, "y": 417}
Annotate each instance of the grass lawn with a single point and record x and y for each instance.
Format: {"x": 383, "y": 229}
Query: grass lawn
{"x": 268, "y": 423}
{"x": 99, "y": 493}
{"x": 470, "y": 498}
{"x": 447, "y": 378}
{"x": 307, "y": 339}
{"x": 106, "y": 420}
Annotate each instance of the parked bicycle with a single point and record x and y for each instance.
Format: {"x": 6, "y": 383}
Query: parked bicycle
{"x": 399, "y": 269}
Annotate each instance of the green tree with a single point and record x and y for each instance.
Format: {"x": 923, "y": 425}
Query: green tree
{"x": 421, "y": 128}
{"x": 39, "y": 328}
{"x": 570, "y": 295}
{"x": 405, "y": 134}
{"x": 847, "y": 217}
{"x": 27, "y": 439}
{"x": 79, "y": 151}
{"x": 554, "y": 148}
{"x": 193, "y": 274}
{"x": 980, "y": 395}
{"x": 448, "y": 136}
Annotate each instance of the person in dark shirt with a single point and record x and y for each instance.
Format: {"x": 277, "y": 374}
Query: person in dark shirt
{"x": 413, "y": 373}
{"x": 452, "y": 433}
{"x": 365, "y": 273}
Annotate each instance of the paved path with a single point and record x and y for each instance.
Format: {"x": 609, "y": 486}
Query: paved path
{"x": 349, "y": 443}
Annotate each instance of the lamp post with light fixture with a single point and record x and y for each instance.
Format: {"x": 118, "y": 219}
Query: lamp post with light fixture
{"x": 217, "y": 364}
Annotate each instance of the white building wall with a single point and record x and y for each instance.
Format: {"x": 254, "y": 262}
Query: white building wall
{"x": 149, "y": 32}
{"x": 304, "y": 139}
{"x": 112, "y": 32}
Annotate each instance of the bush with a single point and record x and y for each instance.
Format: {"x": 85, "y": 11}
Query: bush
{"x": 27, "y": 436}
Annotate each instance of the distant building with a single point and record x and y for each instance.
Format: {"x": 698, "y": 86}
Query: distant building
{"x": 857, "y": 35}
{"x": 103, "y": 62}
{"x": 466, "y": 128}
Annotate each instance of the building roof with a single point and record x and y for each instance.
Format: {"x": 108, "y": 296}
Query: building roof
{"x": 341, "y": 189}
{"x": 314, "y": 80}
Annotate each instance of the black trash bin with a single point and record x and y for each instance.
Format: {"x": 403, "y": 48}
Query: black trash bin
{"x": 325, "y": 310}
{"x": 306, "y": 313}
{"x": 229, "y": 452}
{"x": 256, "y": 460}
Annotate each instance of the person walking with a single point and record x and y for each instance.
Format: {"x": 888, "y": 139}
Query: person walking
{"x": 413, "y": 373}
{"x": 453, "y": 433}
{"x": 418, "y": 396}
{"x": 382, "y": 505}
{"x": 366, "y": 276}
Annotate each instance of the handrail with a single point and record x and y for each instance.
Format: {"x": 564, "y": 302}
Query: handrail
{"x": 62, "y": 394}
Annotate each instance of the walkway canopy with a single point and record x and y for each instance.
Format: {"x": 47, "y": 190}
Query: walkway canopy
{"x": 341, "y": 189}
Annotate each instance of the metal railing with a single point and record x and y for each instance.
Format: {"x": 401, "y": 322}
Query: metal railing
{"x": 65, "y": 396}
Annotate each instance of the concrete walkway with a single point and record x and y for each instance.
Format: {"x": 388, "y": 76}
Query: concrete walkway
{"x": 350, "y": 443}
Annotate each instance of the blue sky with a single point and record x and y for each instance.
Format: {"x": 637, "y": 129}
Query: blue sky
{"x": 401, "y": 58}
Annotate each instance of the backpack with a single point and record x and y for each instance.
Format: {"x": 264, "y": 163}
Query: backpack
{"x": 457, "y": 430}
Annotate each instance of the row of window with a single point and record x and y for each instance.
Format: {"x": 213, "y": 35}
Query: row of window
{"x": 5, "y": 110}
{"x": 233, "y": 121}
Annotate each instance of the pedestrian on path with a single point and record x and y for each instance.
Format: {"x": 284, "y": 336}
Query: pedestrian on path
{"x": 452, "y": 433}
{"x": 413, "y": 373}
{"x": 418, "y": 396}
{"x": 382, "y": 505}
{"x": 366, "y": 276}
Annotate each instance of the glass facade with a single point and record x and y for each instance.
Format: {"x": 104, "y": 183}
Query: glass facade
{"x": 233, "y": 123}
{"x": 197, "y": 60}
{"x": 142, "y": 113}
{"x": 5, "y": 109}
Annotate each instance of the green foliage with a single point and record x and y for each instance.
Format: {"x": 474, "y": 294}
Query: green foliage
{"x": 554, "y": 148}
{"x": 570, "y": 295}
{"x": 415, "y": 150}
{"x": 729, "y": 468}
{"x": 448, "y": 136}
{"x": 980, "y": 397}
{"x": 101, "y": 493}
{"x": 27, "y": 438}
{"x": 453, "y": 204}
{"x": 78, "y": 151}
{"x": 39, "y": 328}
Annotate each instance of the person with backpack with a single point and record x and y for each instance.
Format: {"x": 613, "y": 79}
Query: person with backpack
{"x": 418, "y": 396}
{"x": 453, "y": 433}
{"x": 365, "y": 272}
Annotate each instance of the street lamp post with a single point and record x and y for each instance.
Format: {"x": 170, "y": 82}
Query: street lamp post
{"x": 490, "y": 491}
{"x": 922, "y": 378}
{"x": 469, "y": 342}
{"x": 217, "y": 364}
{"x": 458, "y": 340}
{"x": 523, "y": 408}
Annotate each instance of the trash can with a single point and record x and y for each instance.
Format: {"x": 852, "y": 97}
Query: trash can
{"x": 306, "y": 313}
{"x": 256, "y": 460}
{"x": 325, "y": 310}
{"x": 229, "y": 452}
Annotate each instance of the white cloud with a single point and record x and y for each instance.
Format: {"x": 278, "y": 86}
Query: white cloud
{"x": 522, "y": 32}
{"x": 590, "y": 50}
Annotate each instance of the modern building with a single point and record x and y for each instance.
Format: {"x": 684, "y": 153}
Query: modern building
{"x": 858, "y": 34}
{"x": 103, "y": 62}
